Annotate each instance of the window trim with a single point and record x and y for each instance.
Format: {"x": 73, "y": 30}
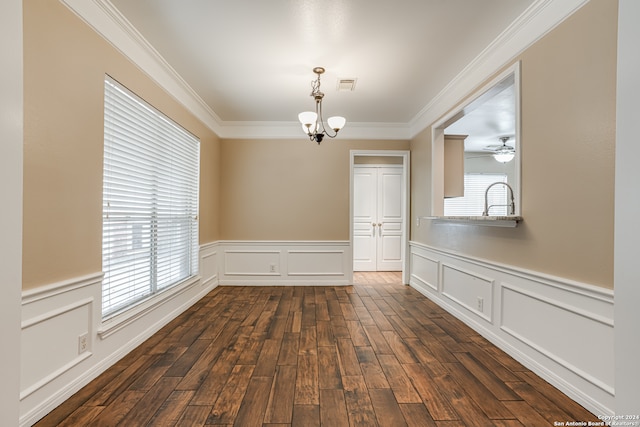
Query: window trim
{"x": 123, "y": 318}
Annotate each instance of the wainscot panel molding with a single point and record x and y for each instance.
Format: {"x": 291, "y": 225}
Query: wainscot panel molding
{"x": 54, "y": 365}
{"x": 559, "y": 328}
{"x": 275, "y": 263}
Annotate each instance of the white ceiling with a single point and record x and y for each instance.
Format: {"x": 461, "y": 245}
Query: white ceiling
{"x": 488, "y": 119}
{"x": 251, "y": 61}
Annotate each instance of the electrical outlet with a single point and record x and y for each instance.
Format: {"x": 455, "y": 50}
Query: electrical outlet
{"x": 83, "y": 343}
{"x": 272, "y": 268}
{"x": 480, "y": 303}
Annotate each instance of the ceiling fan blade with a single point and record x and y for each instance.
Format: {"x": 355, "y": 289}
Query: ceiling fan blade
{"x": 478, "y": 157}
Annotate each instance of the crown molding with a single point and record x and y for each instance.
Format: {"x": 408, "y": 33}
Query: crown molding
{"x": 540, "y": 18}
{"x": 291, "y": 130}
{"x": 104, "y": 18}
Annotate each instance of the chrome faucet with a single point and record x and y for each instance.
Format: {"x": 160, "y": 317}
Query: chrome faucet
{"x": 486, "y": 202}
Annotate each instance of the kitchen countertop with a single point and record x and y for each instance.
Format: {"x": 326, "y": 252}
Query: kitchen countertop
{"x": 497, "y": 221}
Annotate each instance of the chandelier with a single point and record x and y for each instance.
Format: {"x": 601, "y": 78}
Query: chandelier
{"x": 312, "y": 122}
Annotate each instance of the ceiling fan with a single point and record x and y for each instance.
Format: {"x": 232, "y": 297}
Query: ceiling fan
{"x": 502, "y": 153}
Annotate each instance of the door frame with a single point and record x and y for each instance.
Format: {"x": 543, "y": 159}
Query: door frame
{"x": 405, "y": 155}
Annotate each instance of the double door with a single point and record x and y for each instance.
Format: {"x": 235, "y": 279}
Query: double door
{"x": 377, "y": 218}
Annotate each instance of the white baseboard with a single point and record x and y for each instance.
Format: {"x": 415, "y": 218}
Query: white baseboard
{"x": 276, "y": 263}
{"x": 54, "y": 316}
{"x": 560, "y": 329}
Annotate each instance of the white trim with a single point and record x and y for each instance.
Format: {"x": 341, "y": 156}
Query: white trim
{"x": 437, "y": 153}
{"x": 107, "y": 21}
{"x": 541, "y": 349}
{"x": 521, "y": 309}
{"x": 284, "y": 263}
{"x": 11, "y": 194}
{"x": 209, "y": 264}
{"x": 406, "y": 200}
{"x": 206, "y": 247}
{"x": 133, "y": 314}
{"x": 54, "y": 313}
{"x": 339, "y": 252}
{"x": 48, "y": 291}
{"x": 53, "y": 317}
{"x": 44, "y": 317}
{"x": 627, "y": 211}
{"x": 579, "y": 311}
{"x": 415, "y": 276}
{"x": 489, "y": 282}
{"x": 541, "y": 17}
{"x": 258, "y": 243}
{"x": 57, "y": 373}
{"x": 592, "y": 291}
{"x": 291, "y": 130}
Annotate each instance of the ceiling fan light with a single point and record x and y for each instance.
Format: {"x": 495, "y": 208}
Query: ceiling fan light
{"x": 504, "y": 156}
{"x": 307, "y": 118}
{"x": 336, "y": 122}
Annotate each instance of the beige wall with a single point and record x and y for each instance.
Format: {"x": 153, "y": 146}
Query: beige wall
{"x": 64, "y": 67}
{"x": 295, "y": 189}
{"x": 288, "y": 189}
{"x": 567, "y": 140}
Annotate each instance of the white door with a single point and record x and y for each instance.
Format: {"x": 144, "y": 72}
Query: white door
{"x": 365, "y": 218}
{"x": 377, "y": 218}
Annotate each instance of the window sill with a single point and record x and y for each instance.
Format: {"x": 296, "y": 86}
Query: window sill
{"x": 488, "y": 221}
{"x": 118, "y": 321}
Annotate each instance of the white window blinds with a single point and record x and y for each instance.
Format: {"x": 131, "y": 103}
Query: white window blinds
{"x": 150, "y": 201}
{"x": 472, "y": 204}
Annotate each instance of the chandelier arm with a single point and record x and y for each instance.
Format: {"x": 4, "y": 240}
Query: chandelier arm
{"x": 321, "y": 119}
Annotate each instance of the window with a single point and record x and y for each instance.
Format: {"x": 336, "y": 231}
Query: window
{"x": 150, "y": 201}
{"x": 472, "y": 204}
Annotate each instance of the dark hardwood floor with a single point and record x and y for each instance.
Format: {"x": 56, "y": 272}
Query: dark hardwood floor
{"x": 374, "y": 354}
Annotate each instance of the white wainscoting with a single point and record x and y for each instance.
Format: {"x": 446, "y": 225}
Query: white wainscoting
{"x": 285, "y": 263}
{"x": 54, "y": 316}
{"x": 560, "y": 329}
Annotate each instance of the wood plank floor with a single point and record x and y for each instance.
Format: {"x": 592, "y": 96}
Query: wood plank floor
{"x": 373, "y": 354}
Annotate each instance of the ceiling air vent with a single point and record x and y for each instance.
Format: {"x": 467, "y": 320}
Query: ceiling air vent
{"x": 346, "y": 85}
